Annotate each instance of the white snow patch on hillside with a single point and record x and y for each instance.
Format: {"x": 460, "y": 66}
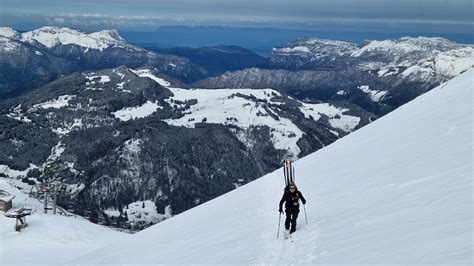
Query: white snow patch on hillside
{"x": 120, "y": 85}
{"x": 133, "y": 146}
{"x": 56, "y": 153}
{"x": 18, "y": 115}
{"x": 336, "y": 116}
{"x": 296, "y": 49}
{"x": 74, "y": 189}
{"x": 418, "y": 72}
{"x": 147, "y": 74}
{"x": 67, "y": 127}
{"x": 101, "y": 79}
{"x": 7, "y": 171}
{"x": 112, "y": 213}
{"x": 7, "y": 45}
{"x": 121, "y": 75}
{"x": 143, "y": 212}
{"x": 374, "y": 95}
{"x": 61, "y": 101}
{"x": 142, "y": 111}
{"x": 398, "y": 191}
{"x": 346, "y": 122}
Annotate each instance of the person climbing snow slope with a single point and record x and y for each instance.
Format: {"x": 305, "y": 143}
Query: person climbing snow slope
{"x": 291, "y": 196}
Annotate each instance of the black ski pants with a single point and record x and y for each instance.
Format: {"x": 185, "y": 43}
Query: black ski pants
{"x": 291, "y": 216}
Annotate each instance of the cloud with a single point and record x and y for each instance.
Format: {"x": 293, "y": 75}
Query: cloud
{"x": 422, "y": 15}
{"x": 141, "y": 21}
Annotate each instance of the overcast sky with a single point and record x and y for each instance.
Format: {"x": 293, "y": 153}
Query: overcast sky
{"x": 422, "y": 15}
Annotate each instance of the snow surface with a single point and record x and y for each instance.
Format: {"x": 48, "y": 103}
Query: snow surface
{"x": 398, "y": 191}
{"x": 53, "y": 36}
{"x": 374, "y": 95}
{"x": 297, "y": 49}
{"x": 7, "y": 171}
{"x": 8, "y": 32}
{"x": 336, "y": 116}
{"x": 143, "y": 212}
{"x": 48, "y": 239}
{"x": 60, "y": 102}
{"x": 147, "y": 73}
{"x": 17, "y": 115}
{"x": 142, "y": 111}
{"x": 6, "y": 45}
{"x": 102, "y": 79}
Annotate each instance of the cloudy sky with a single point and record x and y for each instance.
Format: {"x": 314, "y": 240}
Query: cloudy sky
{"x": 415, "y": 15}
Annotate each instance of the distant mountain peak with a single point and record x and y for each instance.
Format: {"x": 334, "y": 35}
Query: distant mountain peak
{"x": 319, "y": 41}
{"x": 317, "y": 47}
{"x": 408, "y": 45}
{"x": 8, "y": 32}
{"x": 50, "y": 36}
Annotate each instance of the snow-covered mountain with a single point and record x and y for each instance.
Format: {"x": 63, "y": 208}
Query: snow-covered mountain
{"x": 126, "y": 136}
{"x": 308, "y": 53}
{"x": 418, "y": 59}
{"x": 33, "y": 58}
{"x": 317, "y": 69}
{"x": 398, "y": 191}
{"x": 50, "y": 37}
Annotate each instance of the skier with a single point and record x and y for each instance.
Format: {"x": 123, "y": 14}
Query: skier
{"x": 292, "y": 207}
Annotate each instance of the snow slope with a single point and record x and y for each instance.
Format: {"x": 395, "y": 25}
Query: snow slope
{"x": 396, "y": 191}
{"x": 50, "y": 239}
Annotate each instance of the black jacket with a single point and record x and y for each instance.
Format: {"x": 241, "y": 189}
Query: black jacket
{"x": 292, "y": 200}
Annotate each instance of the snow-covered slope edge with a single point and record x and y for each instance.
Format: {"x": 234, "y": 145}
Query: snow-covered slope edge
{"x": 387, "y": 193}
{"x": 48, "y": 239}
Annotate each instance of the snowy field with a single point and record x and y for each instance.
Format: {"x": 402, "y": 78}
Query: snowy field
{"x": 396, "y": 191}
{"x": 48, "y": 239}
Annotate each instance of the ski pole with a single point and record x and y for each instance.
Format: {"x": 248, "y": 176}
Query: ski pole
{"x": 279, "y": 219}
{"x": 305, "y": 216}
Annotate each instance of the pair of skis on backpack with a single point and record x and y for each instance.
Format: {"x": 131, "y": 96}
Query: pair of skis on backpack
{"x": 289, "y": 177}
{"x": 288, "y": 173}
